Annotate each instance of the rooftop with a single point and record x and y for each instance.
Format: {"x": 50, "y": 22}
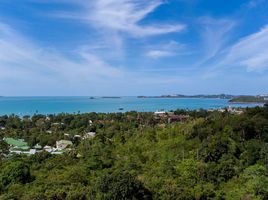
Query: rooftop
{"x": 20, "y": 143}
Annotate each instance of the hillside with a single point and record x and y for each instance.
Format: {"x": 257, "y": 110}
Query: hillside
{"x": 211, "y": 155}
{"x": 248, "y": 99}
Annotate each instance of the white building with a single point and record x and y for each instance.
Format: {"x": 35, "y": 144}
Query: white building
{"x": 89, "y": 135}
{"x": 159, "y": 112}
{"x": 32, "y": 151}
{"x": 63, "y": 144}
{"x": 47, "y": 148}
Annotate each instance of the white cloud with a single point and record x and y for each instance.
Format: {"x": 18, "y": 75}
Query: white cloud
{"x": 20, "y": 57}
{"x": 30, "y": 69}
{"x": 163, "y": 50}
{"x": 250, "y": 52}
{"x": 215, "y": 35}
{"x": 159, "y": 54}
{"x": 123, "y": 16}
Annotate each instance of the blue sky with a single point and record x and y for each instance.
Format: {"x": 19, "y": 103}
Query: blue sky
{"x": 133, "y": 47}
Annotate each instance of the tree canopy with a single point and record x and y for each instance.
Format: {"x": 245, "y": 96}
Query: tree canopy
{"x": 211, "y": 155}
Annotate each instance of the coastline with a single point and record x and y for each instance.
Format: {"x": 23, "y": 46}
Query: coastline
{"x": 181, "y": 96}
{"x": 257, "y": 103}
{"x": 54, "y": 105}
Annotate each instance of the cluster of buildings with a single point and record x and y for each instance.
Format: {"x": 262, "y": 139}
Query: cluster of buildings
{"x": 229, "y": 109}
{"x": 264, "y": 96}
{"x": 171, "y": 117}
{"x": 85, "y": 136}
{"x": 19, "y": 146}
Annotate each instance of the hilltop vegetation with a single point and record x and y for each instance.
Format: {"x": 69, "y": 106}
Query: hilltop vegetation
{"x": 212, "y": 155}
{"x": 248, "y": 99}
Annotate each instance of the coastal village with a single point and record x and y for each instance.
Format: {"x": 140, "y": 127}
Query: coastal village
{"x": 20, "y": 146}
{"x": 172, "y": 117}
{"x": 133, "y": 100}
{"x": 230, "y": 109}
{"x": 69, "y": 152}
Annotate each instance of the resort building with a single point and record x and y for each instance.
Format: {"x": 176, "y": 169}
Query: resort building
{"x": 234, "y": 110}
{"x": 49, "y": 149}
{"x": 89, "y": 135}
{"x": 159, "y": 113}
{"x": 17, "y": 146}
{"x": 38, "y": 147}
{"x": 63, "y": 144}
{"x": 32, "y": 151}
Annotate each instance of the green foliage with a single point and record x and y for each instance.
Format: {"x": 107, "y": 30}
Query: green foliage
{"x": 249, "y": 99}
{"x": 15, "y": 173}
{"x": 212, "y": 155}
{"x": 4, "y": 149}
{"x": 123, "y": 186}
{"x": 251, "y": 184}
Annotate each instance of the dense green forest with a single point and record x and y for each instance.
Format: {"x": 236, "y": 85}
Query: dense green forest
{"x": 248, "y": 99}
{"x": 211, "y": 155}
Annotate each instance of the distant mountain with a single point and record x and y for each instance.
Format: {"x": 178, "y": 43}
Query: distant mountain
{"x": 214, "y": 96}
{"x": 249, "y": 99}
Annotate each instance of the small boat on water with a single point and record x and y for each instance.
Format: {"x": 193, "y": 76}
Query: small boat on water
{"x": 121, "y": 109}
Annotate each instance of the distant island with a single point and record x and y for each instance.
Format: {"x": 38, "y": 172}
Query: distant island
{"x": 232, "y": 98}
{"x": 249, "y": 99}
{"x": 214, "y": 96}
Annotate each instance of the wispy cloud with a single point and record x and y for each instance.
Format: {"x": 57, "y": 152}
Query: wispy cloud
{"x": 41, "y": 70}
{"x": 169, "y": 49}
{"x": 159, "y": 54}
{"x": 250, "y": 52}
{"x": 215, "y": 35}
{"x": 18, "y": 53}
{"x": 123, "y": 16}
{"x": 129, "y": 45}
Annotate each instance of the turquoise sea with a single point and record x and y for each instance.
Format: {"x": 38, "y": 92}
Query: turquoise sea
{"x": 52, "y": 105}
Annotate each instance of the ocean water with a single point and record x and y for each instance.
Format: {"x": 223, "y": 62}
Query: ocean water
{"x": 53, "y": 105}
